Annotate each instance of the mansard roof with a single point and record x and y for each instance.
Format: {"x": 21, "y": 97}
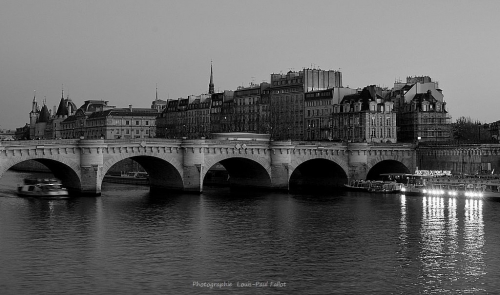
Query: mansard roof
{"x": 421, "y": 97}
{"x": 369, "y": 93}
{"x": 95, "y": 105}
{"x": 125, "y": 112}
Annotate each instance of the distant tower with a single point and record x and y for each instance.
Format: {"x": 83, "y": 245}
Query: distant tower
{"x": 33, "y": 116}
{"x": 211, "y": 84}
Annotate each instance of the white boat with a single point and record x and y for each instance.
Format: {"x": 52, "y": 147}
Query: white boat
{"x": 414, "y": 184}
{"x": 358, "y": 185}
{"x": 135, "y": 177}
{"x": 386, "y": 187}
{"x": 487, "y": 186}
{"x": 42, "y": 188}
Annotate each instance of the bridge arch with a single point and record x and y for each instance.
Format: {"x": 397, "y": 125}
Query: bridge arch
{"x": 386, "y": 166}
{"x": 64, "y": 169}
{"x": 317, "y": 174}
{"x": 163, "y": 172}
{"x": 244, "y": 171}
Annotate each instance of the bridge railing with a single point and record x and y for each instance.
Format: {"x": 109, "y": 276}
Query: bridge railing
{"x": 39, "y": 142}
{"x": 139, "y": 140}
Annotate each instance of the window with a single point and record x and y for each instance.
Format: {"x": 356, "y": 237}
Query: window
{"x": 127, "y": 122}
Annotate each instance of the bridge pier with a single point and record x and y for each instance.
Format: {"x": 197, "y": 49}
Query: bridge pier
{"x": 91, "y": 162}
{"x": 357, "y": 160}
{"x": 280, "y": 163}
{"x": 194, "y": 157}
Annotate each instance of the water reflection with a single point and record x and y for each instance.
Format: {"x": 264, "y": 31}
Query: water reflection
{"x": 132, "y": 242}
{"x": 403, "y": 222}
{"x": 474, "y": 264}
{"x": 446, "y": 245}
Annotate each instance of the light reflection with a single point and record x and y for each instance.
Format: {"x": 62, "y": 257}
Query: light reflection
{"x": 451, "y": 240}
{"x": 433, "y": 233}
{"x": 474, "y": 239}
{"x": 403, "y": 223}
{"x": 452, "y": 236}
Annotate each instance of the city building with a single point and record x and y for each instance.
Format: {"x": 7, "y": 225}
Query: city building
{"x": 318, "y": 109}
{"x": 364, "y": 117}
{"x": 167, "y": 121}
{"x": 216, "y": 110}
{"x": 228, "y": 115}
{"x": 494, "y": 131}
{"x": 53, "y": 128}
{"x": 121, "y": 123}
{"x": 251, "y": 108}
{"x": 422, "y": 114}
{"x": 74, "y": 126}
{"x": 287, "y": 99}
{"x": 198, "y": 116}
{"x": 23, "y": 133}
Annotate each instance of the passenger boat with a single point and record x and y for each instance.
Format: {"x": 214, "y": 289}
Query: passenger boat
{"x": 42, "y": 188}
{"x": 386, "y": 187}
{"x": 140, "y": 178}
{"x": 358, "y": 185}
{"x": 465, "y": 185}
{"x": 414, "y": 184}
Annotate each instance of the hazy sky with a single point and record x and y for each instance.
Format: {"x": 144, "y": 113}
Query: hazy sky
{"x": 120, "y": 50}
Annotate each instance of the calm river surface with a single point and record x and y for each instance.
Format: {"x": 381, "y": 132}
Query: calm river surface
{"x": 128, "y": 242}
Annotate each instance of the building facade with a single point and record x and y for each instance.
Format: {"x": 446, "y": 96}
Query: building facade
{"x": 287, "y": 120}
{"x": 121, "y": 123}
{"x": 364, "y": 117}
{"x": 422, "y": 114}
{"x": 318, "y": 111}
{"x": 251, "y": 107}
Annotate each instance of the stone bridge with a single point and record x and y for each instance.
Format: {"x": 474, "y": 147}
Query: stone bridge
{"x": 182, "y": 164}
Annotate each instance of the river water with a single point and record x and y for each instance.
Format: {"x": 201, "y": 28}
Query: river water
{"x": 129, "y": 242}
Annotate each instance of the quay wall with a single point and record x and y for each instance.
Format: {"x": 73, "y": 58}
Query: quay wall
{"x": 466, "y": 159}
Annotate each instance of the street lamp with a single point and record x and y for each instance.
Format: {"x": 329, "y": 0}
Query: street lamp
{"x": 479, "y": 131}
{"x": 81, "y": 130}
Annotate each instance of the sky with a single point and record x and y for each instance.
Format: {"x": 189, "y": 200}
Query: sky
{"x": 121, "y": 51}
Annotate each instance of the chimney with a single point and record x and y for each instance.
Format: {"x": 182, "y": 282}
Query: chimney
{"x": 130, "y": 107}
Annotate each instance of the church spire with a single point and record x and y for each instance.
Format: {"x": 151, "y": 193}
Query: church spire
{"x": 211, "y": 84}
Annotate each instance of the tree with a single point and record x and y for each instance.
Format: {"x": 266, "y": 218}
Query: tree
{"x": 466, "y": 130}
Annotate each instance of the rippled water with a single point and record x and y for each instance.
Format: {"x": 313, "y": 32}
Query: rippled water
{"x": 128, "y": 242}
